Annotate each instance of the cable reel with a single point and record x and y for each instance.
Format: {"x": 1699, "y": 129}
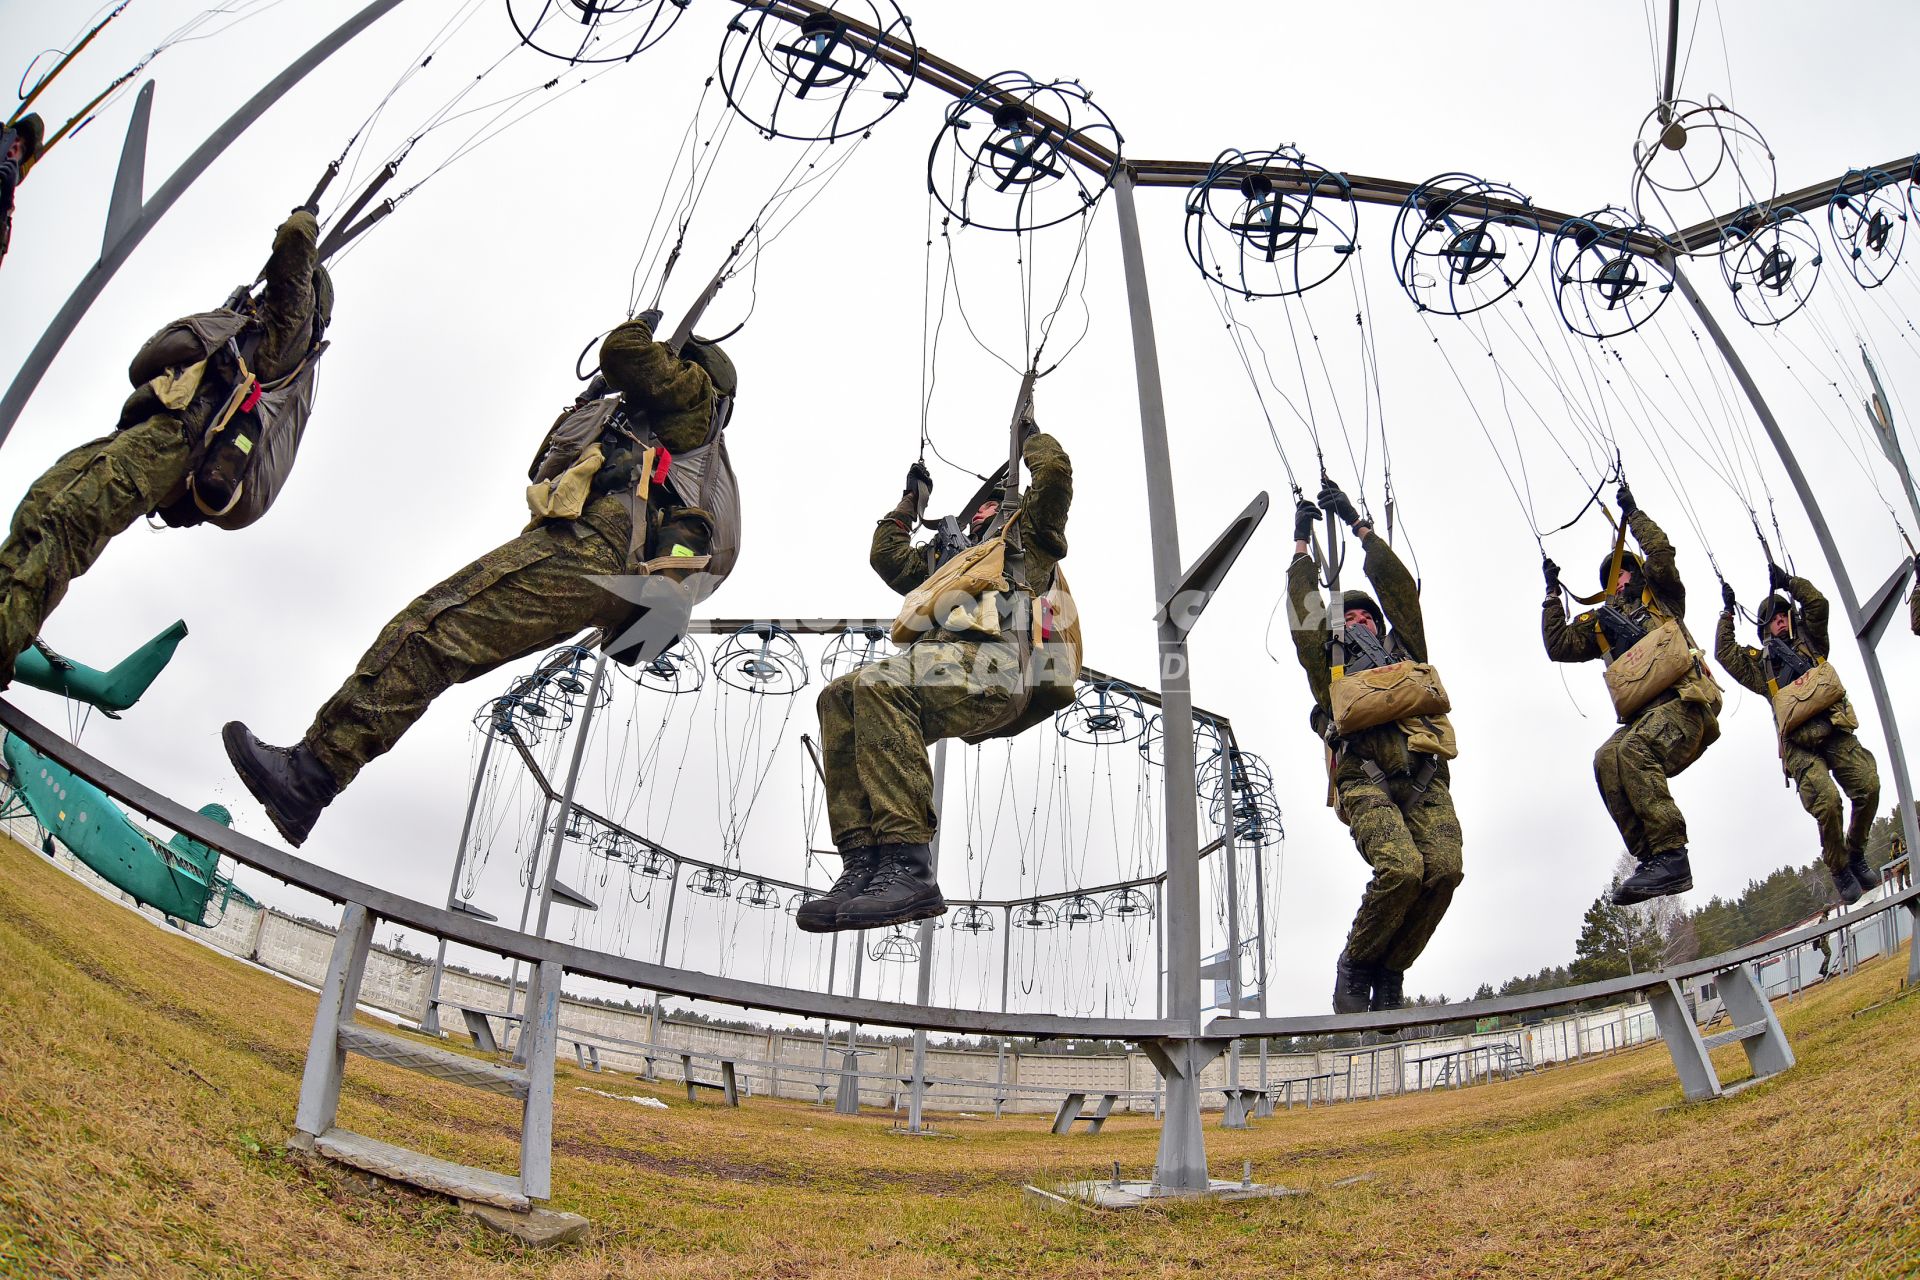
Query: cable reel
{"x": 853, "y": 649}
{"x": 1017, "y": 155}
{"x": 1269, "y": 224}
{"x": 1463, "y": 243}
{"x": 1605, "y": 282}
{"x": 1102, "y": 712}
{"x": 1867, "y": 218}
{"x": 1773, "y": 265}
{"x": 835, "y": 75}
{"x": 577, "y": 31}
{"x": 762, "y": 658}
{"x": 1692, "y": 160}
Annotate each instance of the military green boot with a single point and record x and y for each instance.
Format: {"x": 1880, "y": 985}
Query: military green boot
{"x": 1388, "y": 989}
{"x": 1865, "y": 875}
{"x": 1352, "y": 986}
{"x": 1661, "y": 875}
{"x": 1846, "y": 886}
{"x": 822, "y": 914}
{"x": 902, "y": 889}
{"x": 290, "y": 784}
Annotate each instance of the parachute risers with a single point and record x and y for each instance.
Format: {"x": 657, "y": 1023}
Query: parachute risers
{"x": 113, "y": 690}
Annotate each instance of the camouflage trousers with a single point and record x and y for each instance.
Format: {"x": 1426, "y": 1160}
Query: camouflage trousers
{"x": 1844, "y": 759}
{"x": 1412, "y": 841}
{"x": 1632, "y": 768}
{"x": 70, "y": 514}
{"x": 877, "y": 722}
{"x": 516, "y": 600}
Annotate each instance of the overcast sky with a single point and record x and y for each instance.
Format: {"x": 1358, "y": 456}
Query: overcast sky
{"x": 459, "y": 320}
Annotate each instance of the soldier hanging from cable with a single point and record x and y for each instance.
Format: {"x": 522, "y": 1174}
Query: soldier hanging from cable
{"x": 1665, "y": 697}
{"x": 19, "y": 144}
{"x": 614, "y": 495}
{"x": 1381, "y": 711}
{"x": 1816, "y": 723}
{"x": 208, "y": 388}
{"x": 988, "y": 624}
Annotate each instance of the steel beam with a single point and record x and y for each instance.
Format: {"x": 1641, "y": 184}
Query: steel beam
{"x": 430, "y": 1022}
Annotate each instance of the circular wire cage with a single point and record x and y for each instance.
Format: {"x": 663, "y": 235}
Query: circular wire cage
{"x": 853, "y": 649}
{"x": 1250, "y": 797}
{"x": 897, "y": 947}
{"x": 655, "y": 865}
{"x": 762, "y": 658}
{"x": 1605, "y": 282}
{"x": 593, "y": 30}
{"x": 1462, "y": 243}
{"x": 1206, "y": 741}
{"x": 567, "y": 672}
{"x": 1867, "y": 218}
{"x": 1035, "y": 915}
{"x": 1017, "y": 155}
{"x": 578, "y": 828}
{"x": 1692, "y": 162}
{"x": 1269, "y": 224}
{"x": 1103, "y": 712}
{"x": 528, "y": 711}
{"x": 839, "y": 72}
{"x": 1081, "y": 909}
{"x": 710, "y": 882}
{"x": 1773, "y": 265}
{"x": 1129, "y": 904}
{"x": 973, "y": 919}
{"x": 759, "y": 895}
{"x": 615, "y": 847}
{"x": 799, "y": 898}
{"x": 679, "y": 668}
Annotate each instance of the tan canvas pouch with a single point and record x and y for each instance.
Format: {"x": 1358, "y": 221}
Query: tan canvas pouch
{"x": 1800, "y": 701}
{"x": 1650, "y": 668}
{"x": 565, "y": 496}
{"x": 1431, "y": 736}
{"x": 1400, "y": 691}
{"x": 957, "y": 596}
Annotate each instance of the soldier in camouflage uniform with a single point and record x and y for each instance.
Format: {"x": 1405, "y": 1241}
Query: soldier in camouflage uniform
{"x": 1390, "y": 782}
{"x": 1662, "y": 738}
{"x": 99, "y": 488}
{"x": 958, "y": 681}
{"x": 533, "y": 592}
{"x": 1823, "y": 751}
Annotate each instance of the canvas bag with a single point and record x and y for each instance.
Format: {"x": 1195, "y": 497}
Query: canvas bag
{"x": 1800, "y": 700}
{"x": 1382, "y": 695}
{"x": 958, "y": 595}
{"x": 1051, "y": 677}
{"x": 1657, "y": 662}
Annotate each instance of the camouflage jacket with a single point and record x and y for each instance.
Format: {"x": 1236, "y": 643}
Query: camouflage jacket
{"x": 285, "y": 319}
{"x": 1660, "y": 590}
{"x": 1751, "y": 670}
{"x": 1399, "y": 598}
{"x": 672, "y": 396}
{"x": 903, "y": 565}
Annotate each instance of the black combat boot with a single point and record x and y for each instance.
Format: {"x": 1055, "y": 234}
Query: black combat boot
{"x": 289, "y": 783}
{"x": 1352, "y": 986}
{"x": 1846, "y": 886}
{"x": 1864, "y": 875}
{"x": 822, "y": 914}
{"x": 1662, "y": 874}
{"x": 902, "y": 889}
{"x": 1388, "y": 989}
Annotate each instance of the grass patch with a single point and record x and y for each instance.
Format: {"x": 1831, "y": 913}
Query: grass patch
{"x": 147, "y": 1086}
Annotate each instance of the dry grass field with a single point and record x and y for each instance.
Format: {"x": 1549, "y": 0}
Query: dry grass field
{"x": 147, "y": 1086}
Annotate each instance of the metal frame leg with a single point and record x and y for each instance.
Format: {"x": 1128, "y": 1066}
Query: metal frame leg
{"x": 326, "y": 1059}
{"x": 1768, "y": 1053}
{"x": 1698, "y": 1081}
{"x": 540, "y": 1032}
{"x": 1181, "y": 1164}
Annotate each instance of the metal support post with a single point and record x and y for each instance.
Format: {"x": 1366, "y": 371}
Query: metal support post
{"x": 526, "y": 899}
{"x": 666, "y": 931}
{"x": 134, "y": 229}
{"x": 1836, "y": 565}
{"x": 1231, "y": 855}
{"x": 917, "y": 1095}
{"x": 430, "y": 1022}
{"x": 1181, "y": 1164}
{"x": 326, "y": 1059}
{"x": 1006, "y": 953}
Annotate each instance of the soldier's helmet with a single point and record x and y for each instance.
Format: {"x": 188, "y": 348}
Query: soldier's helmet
{"x": 322, "y": 301}
{"x": 32, "y": 130}
{"x": 1361, "y": 600}
{"x": 716, "y": 362}
{"x": 1628, "y": 561}
{"x": 1770, "y": 608}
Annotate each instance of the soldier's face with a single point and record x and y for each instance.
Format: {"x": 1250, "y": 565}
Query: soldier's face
{"x": 1361, "y": 618}
{"x": 1624, "y": 581}
{"x": 1777, "y": 625}
{"x": 16, "y": 149}
{"x": 986, "y": 512}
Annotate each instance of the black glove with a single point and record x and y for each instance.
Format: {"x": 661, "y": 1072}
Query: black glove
{"x": 1334, "y": 502}
{"x": 1628, "y": 506}
{"x": 1552, "y": 573}
{"x": 1304, "y": 514}
{"x": 650, "y": 318}
{"x": 1727, "y": 597}
{"x": 1776, "y": 577}
{"x": 918, "y": 477}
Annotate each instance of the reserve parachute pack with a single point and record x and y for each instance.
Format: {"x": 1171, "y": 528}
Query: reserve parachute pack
{"x": 1374, "y": 685}
{"x": 1801, "y": 699}
{"x": 243, "y": 459}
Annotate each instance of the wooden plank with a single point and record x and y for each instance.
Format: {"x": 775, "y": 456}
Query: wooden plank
{"x": 462, "y": 1182}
